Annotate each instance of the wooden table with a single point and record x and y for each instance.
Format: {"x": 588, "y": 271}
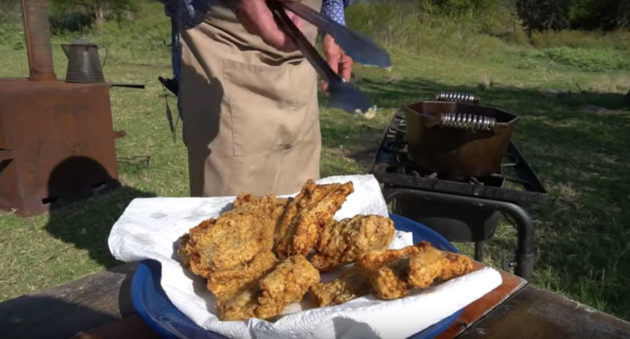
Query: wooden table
{"x": 99, "y": 306}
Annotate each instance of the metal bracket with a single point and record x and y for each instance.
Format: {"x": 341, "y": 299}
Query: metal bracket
{"x": 524, "y": 266}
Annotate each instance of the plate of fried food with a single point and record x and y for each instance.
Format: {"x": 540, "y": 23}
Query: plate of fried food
{"x": 267, "y": 267}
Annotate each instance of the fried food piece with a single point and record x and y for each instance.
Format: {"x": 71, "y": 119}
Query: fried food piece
{"x": 234, "y": 250}
{"x": 225, "y": 284}
{"x": 351, "y": 284}
{"x": 240, "y": 306}
{"x": 233, "y": 239}
{"x": 342, "y": 242}
{"x": 270, "y": 204}
{"x": 306, "y": 216}
{"x": 390, "y": 281}
{"x": 293, "y": 208}
{"x": 286, "y": 284}
{"x": 266, "y": 298}
{"x": 388, "y": 271}
{"x": 187, "y": 252}
{"x": 430, "y": 265}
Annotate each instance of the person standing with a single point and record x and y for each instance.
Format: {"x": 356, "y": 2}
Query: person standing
{"x": 247, "y": 97}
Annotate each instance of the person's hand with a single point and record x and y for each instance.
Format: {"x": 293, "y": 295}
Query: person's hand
{"x": 257, "y": 19}
{"x": 339, "y": 61}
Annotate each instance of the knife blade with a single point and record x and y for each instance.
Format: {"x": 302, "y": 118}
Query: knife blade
{"x": 357, "y": 45}
{"x": 343, "y": 94}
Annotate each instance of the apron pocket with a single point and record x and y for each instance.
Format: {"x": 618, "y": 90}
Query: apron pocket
{"x": 267, "y": 104}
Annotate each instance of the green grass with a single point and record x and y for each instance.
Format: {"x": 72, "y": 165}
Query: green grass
{"x": 580, "y": 151}
{"x": 593, "y": 60}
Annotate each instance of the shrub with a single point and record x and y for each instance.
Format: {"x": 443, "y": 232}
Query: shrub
{"x": 73, "y": 22}
{"x": 407, "y": 27}
{"x": 541, "y": 15}
{"x": 619, "y": 39}
{"x": 494, "y": 17}
{"x": 11, "y": 24}
{"x": 599, "y": 14}
{"x": 76, "y": 13}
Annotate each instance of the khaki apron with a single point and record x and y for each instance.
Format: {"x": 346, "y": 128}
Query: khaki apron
{"x": 251, "y": 115}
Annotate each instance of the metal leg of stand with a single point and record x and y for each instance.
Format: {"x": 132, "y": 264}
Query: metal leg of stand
{"x": 525, "y": 250}
{"x": 479, "y": 251}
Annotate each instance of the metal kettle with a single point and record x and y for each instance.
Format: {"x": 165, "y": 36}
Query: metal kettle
{"x": 84, "y": 62}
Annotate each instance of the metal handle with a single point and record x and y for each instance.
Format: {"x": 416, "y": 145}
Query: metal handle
{"x": 117, "y": 84}
{"x": 457, "y": 97}
{"x": 106, "y": 54}
{"x": 467, "y": 121}
{"x": 309, "y": 52}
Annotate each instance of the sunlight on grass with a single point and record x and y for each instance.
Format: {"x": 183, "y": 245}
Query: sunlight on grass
{"x": 573, "y": 128}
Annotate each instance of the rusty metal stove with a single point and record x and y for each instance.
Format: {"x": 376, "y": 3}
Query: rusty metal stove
{"x": 56, "y": 138}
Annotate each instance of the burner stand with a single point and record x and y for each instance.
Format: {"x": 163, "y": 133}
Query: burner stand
{"x": 524, "y": 262}
{"x": 461, "y": 209}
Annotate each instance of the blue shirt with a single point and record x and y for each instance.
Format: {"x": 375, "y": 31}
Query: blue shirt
{"x": 189, "y": 13}
{"x": 333, "y": 9}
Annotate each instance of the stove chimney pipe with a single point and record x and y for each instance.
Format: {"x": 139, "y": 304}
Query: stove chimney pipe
{"x": 37, "y": 33}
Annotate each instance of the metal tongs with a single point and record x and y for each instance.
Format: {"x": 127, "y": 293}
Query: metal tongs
{"x": 360, "y": 48}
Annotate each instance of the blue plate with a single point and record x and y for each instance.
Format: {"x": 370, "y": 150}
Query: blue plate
{"x": 156, "y": 310}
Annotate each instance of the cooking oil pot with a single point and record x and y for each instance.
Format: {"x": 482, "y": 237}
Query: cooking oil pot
{"x": 84, "y": 62}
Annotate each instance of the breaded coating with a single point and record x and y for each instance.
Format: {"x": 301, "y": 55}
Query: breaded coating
{"x": 375, "y": 259}
{"x": 225, "y": 284}
{"x": 432, "y": 265}
{"x": 233, "y": 239}
{"x": 292, "y": 209}
{"x": 240, "y": 306}
{"x": 269, "y": 204}
{"x": 312, "y": 209}
{"x": 234, "y": 250}
{"x": 388, "y": 271}
{"x": 187, "y": 251}
{"x": 212, "y": 248}
{"x": 351, "y": 284}
{"x": 342, "y": 242}
{"x": 286, "y": 284}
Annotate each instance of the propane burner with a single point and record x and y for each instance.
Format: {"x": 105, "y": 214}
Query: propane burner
{"x": 462, "y": 208}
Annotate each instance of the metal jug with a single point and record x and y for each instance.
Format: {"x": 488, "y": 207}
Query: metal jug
{"x": 84, "y": 63}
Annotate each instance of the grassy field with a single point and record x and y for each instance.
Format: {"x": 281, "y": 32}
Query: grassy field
{"x": 568, "y": 88}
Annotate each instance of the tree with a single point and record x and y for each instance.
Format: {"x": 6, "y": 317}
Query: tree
{"x": 541, "y": 15}
{"x": 460, "y": 8}
{"x": 99, "y": 10}
{"x": 604, "y": 15}
{"x": 494, "y": 17}
{"x": 599, "y": 14}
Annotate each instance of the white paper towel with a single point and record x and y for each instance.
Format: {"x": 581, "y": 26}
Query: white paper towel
{"x": 149, "y": 229}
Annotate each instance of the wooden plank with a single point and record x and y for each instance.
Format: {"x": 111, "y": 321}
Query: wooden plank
{"x": 534, "y": 313}
{"x": 485, "y": 304}
{"x": 132, "y": 326}
{"x": 65, "y": 310}
{"x": 102, "y": 303}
